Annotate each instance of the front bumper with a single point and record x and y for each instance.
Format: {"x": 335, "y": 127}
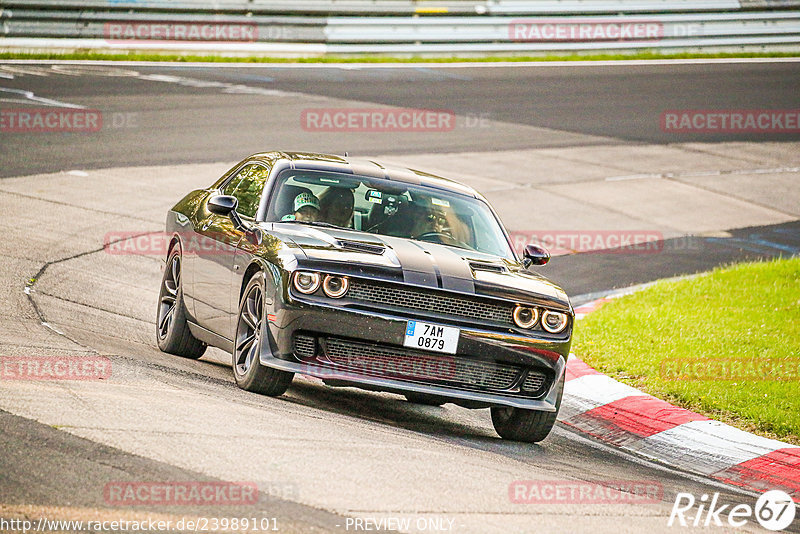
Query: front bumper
{"x": 380, "y": 336}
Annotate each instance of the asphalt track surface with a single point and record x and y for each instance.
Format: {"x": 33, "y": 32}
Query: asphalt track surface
{"x": 319, "y": 454}
{"x": 177, "y": 121}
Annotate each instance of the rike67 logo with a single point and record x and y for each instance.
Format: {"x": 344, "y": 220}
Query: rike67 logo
{"x": 774, "y": 510}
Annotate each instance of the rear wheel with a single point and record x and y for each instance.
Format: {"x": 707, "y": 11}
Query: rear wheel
{"x": 172, "y": 331}
{"x": 424, "y": 398}
{"x": 248, "y": 372}
{"x": 530, "y": 426}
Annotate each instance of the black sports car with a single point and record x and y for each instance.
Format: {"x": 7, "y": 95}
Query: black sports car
{"x": 370, "y": 276}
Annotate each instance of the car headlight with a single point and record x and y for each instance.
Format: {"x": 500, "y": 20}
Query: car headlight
{"x": 335, "y": 286}
{"x": 554, "y": 322}
{"x": 306, "y": 282}
{"x": 525, "y": 317}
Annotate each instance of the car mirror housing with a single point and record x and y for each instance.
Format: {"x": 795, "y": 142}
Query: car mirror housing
{"x": 225, "y": 206}
{"x": 535, "y": 255}
{"x": 222, "y": 205}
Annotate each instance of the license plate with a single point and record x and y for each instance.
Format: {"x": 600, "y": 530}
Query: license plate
{"x": 433, "y": 337}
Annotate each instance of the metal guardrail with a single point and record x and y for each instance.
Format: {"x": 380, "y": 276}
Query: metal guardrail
{"x": 410, "y": 7}
{"x": 507, "y": 26}
{"x": 117, "y": 26}
{"x": 643, "y": 28}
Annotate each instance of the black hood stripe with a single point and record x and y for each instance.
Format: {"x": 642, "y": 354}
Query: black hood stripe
{"x": 455, "y": 272}
{"x": 417, "y": 266}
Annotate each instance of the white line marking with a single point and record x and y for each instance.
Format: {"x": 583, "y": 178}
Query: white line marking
{"x": 668, "y": 175}
{"x": 30, "y": 97}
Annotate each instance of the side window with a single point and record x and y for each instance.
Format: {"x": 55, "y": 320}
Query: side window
{"x": 247, "y": 186}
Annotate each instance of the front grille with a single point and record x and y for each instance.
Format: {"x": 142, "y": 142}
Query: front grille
{"x": 428, "y": 301}
{"x": 304, "y": 346}
{"x": 534, "y": 382}
{"x": 407, "y": 364}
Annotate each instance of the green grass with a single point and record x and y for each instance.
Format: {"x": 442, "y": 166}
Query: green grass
{"x": 135, "y": 56}
{"x": 748, "y": 311}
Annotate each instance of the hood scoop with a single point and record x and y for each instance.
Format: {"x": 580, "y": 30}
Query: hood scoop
{"x": 358, "y": 246}
{"x": 490, "y": 267}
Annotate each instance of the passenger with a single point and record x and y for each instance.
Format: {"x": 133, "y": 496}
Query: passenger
{"x": 336, "y": 206}
{"x": 306, "y": 208}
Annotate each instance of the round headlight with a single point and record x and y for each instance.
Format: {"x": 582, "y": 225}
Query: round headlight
{"x": 306, "y": 282}
{"x": 554, "y": 322}
{"x": 525, "y": 317}
{"x": 335, "y": 286}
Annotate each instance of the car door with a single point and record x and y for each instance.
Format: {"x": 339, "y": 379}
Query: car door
{"x": 217, "y": 240}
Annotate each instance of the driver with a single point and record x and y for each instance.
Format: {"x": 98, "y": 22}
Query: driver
{"x": 435, "y": 221}
{"x": 336, "y": 206}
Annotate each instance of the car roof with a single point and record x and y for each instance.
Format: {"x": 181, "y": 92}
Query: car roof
{"x": 366, "y": 167}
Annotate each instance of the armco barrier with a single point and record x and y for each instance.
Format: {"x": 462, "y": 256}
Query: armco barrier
{"x": 120, "y": 26}
{"x": 562, "y": 29}
{"x": 449, "y": 27}
{"x": 410, "y": 7}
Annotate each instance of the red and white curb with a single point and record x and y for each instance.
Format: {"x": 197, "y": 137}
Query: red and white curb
{"x": 625, "y": 417}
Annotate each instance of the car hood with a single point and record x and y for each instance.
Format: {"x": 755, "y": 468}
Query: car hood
{"x": 420, "y": 263}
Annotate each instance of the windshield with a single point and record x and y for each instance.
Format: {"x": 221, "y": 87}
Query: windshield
{"x": 387, "y": 208}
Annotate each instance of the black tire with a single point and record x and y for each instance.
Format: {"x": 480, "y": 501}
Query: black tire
{"x": 172, "y": 331}
{"x": 530, "y": 426}
{"x": 248, "y": 372}
{"x": 424, "y": 398}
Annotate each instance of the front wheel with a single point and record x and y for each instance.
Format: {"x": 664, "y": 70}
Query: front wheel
{"x": 530, "y": 426}
{"x": 248, "y": 372}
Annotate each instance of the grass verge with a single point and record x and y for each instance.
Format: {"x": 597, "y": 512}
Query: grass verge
{"x": 180, "y": 58}
{"x": 725, "y": 344}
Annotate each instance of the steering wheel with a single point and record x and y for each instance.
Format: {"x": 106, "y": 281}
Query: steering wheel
{"x": 442, "y": 238}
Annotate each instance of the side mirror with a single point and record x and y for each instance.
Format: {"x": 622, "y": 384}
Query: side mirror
{"x": 225, "y": 205}
{"x": 535, "y": 255}
{"x": 222, "y": 205}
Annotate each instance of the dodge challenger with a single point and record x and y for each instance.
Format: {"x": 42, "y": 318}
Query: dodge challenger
{"x": 365, "y": 275}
